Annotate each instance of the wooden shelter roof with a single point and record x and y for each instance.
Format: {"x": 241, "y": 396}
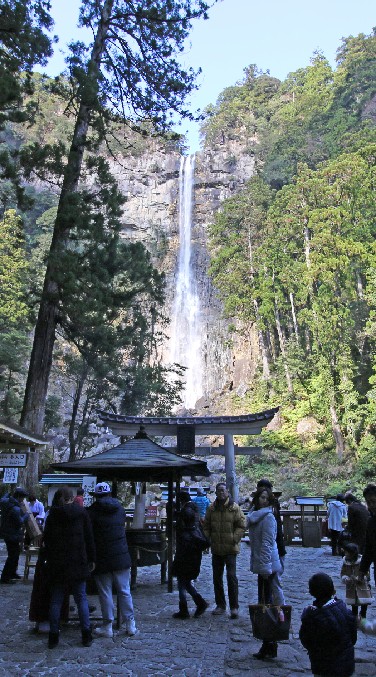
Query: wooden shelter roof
{"x": 139, "y": 459}
{"x": 246, "y": 424}
{"x": 13, "y": 436}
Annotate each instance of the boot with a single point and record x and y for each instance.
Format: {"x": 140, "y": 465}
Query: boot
{"x": 53, "y": 639}
{"x": 268, "y": 650}
{"x": 87, "y": 637}
{"x": 201, "y": 606}
{"x": 183, "y": 611}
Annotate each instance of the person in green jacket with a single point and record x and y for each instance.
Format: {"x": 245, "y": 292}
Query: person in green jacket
{"x": 224, "y": 526}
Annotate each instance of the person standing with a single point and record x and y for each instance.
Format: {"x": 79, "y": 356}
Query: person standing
{"x": 187, "y": 561}
{"x": 328, "y": 631}
{"x": 79, "y": 497}
{"x": 369, "y": 555}
{"x": 70, "y": 558}
{"x": 202, "y": 502}
{"x": 337, "y": 513}
{"x": 12, "y": 531}
{"x": 265, "y": 561}
{"x": 357, "y": 592}
{"x": 113, "y": 562}
{"x": 36, "y": 507}
{"x": 357, "y": 519}
{"x": 277, "y": 591}
{"x": 224, "y": 526}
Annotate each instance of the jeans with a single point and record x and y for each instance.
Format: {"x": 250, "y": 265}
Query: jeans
{"x": 186, "y": 586}
{"x": 11, "y": 563}
{"x": 334, "y": 536}
{"x": 218, "y": 563}
{"x": 104, "y": 582}
{"x": 58, "y": 591}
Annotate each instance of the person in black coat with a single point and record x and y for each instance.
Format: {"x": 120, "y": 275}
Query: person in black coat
{"x": 328, "y": 631}
{"x": 70, "y": 557}
{"x": 187, "y": 561}
{"x": 12, "y": 531}
{"x": 357, "y": 519}
{"x": 369, "y": 555}
{"x": 107, "y": 517}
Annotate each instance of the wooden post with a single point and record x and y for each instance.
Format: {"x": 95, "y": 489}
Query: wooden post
{"x": 231, "y": 479}
{"x": 170, "y": 531}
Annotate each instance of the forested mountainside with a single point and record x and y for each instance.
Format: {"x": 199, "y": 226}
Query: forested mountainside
{"x": 293, "y": 254}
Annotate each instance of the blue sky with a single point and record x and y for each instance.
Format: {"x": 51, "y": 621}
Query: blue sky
{"x": 275, "y": 35}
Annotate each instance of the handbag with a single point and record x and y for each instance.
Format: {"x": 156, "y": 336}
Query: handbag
{"x": 270, "y": 623}
{"x": 199, "y": 539}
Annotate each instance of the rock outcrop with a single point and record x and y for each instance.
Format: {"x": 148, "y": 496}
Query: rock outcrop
{"x": 150, "y": 183}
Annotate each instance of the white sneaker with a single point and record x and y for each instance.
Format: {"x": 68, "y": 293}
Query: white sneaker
{"x": 130, "y": 624}
{"x": 104, "y": 630}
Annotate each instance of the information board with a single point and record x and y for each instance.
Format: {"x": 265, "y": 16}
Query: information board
{"x": 13, "y": 460}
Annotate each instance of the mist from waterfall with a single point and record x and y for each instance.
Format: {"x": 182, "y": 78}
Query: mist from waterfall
{"x": 186, "y": 329}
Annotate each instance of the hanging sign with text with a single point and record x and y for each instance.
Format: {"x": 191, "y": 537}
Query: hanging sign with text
{"x": 13, "y": 460}
{"x": 10, "y": 476}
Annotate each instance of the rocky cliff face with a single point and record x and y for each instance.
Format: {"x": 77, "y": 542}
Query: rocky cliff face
{"x": 150, "y": 183}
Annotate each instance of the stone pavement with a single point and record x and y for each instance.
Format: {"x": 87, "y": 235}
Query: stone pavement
{"x": 210, "y": 646}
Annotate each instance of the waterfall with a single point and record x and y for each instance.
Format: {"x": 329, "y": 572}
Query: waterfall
{"x": 186, "y": 329}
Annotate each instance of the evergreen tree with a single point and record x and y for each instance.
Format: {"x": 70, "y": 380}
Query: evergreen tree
{"x": 131, "y": 72}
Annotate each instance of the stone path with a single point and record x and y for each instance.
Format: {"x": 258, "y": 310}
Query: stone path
{"x": 208, "y": 646}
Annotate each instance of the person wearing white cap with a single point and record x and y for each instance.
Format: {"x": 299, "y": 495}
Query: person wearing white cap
{"x": 113, "y": 559}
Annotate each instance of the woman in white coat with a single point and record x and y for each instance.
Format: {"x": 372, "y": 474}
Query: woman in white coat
{"x": 265, "y": 561}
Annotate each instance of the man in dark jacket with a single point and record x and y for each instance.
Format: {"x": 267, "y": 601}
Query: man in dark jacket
{"x": 113, "y": 563}
{"x": 12, "y": 530}
{"x": 369, "y": 555}
{"x": 357, "y": 519}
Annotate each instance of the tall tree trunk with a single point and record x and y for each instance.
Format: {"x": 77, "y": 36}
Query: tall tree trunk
{"x": 263, "y": 347}
{"x": 76, "y": 404}
{"x": 296, "y": 330}
{"x": 281, "y": 338}
{"x": 33, "y": 410}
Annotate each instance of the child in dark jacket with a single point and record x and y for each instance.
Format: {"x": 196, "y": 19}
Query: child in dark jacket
{"x": 328, "y": 631}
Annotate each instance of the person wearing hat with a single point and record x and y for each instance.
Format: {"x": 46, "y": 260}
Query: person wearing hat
{"x": 113, "y": 562}
{"x": 12, "y": 530}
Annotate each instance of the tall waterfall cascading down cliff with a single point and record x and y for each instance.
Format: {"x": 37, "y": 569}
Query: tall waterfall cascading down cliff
{"x": 186, "y": 325}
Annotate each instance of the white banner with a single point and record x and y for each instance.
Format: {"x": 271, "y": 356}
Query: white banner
{"x": 10, "y": 476}
{"x": 88, "y": 484}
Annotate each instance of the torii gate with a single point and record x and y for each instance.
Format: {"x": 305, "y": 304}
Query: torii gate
{"x": 185, "y": 428}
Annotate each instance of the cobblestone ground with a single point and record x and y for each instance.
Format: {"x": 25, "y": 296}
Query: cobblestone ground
{"x": 208, "y": 646}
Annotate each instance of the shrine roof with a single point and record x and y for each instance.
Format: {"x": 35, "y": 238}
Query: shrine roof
{"x": 204, "y": 425}
{"x": 13, "y": 436}
{"x": 138, "y": 459}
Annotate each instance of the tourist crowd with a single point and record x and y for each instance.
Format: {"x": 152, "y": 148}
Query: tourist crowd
{"x": 80, "y": 543}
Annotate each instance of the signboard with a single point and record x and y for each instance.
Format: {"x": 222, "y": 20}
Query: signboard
{"x": 151, "y": 515}
{"x": 88, "y": 484}
{"x": 13, "y": 460}
{"x": 10, "y": 476}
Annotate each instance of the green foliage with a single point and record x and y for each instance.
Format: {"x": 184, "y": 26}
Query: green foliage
{"x": 300, "y": 265}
